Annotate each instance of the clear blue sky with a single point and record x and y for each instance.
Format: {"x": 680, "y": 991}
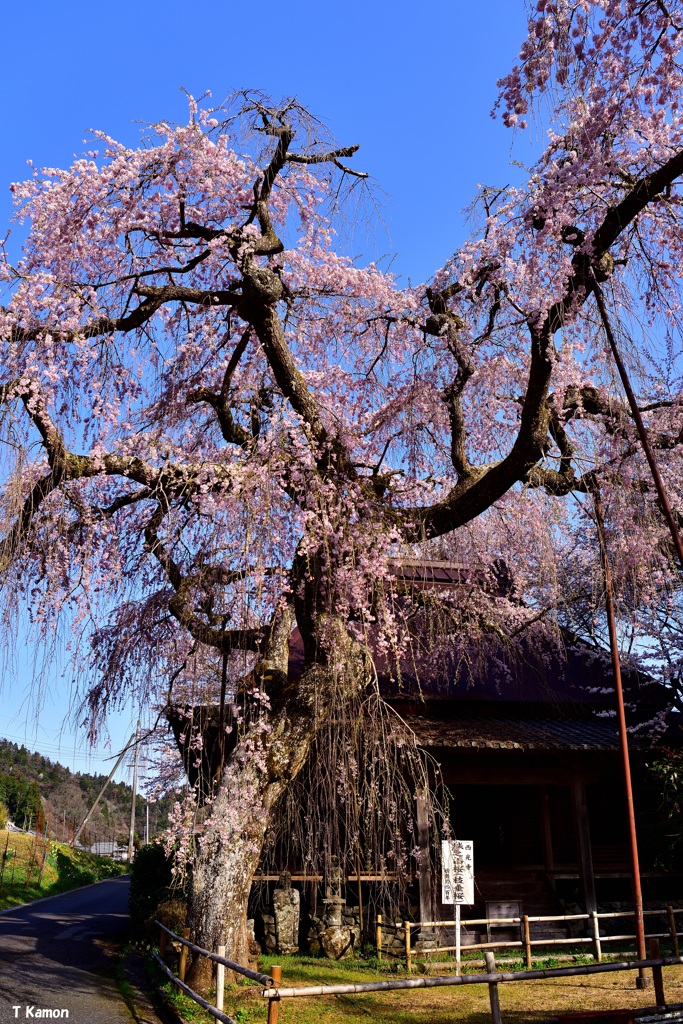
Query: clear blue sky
{"x": 411, "y": 83}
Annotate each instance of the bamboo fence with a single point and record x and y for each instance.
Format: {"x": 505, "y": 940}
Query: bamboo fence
{"x": 274, "y": 992}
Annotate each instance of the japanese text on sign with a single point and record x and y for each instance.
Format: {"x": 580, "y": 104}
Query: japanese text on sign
{"x": 457, "y": 871}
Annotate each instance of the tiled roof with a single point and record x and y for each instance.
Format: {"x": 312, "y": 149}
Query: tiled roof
{"x": 483, "y": 732}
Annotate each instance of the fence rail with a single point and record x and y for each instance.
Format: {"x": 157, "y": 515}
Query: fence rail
{"x": 490, "y": 978}
{"x": 267, "y": 981}
{"x": 525, "y": 941}
{"x": 214, "y": 1011}
{"x": 274, "y": 992}
{"x": 262, "y": 979}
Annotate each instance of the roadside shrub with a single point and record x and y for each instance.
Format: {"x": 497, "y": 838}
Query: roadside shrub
{"x": 71, "y": 874}
{"x": 151, "y": 884}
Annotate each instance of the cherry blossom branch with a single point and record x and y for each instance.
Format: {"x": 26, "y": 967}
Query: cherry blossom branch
{"x": 173, "y": 479}
{"x": 333, "y": 157}
{"x": 474, "y": 494}
{"x": 443, "y": 323}
{"x": 222, "y": 639}
{"x": 96, "y": 328}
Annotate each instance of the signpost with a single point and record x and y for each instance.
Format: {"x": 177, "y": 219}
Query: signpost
{"x": 457, "y": 880}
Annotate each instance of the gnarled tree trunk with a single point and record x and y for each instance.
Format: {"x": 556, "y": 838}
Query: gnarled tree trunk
{"x": 256, "y": 775}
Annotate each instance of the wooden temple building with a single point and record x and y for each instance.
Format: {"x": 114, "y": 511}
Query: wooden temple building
{"x": 527, "y": 742}
{"x": 529, "y": 750}
{"x": 528, "y": 746}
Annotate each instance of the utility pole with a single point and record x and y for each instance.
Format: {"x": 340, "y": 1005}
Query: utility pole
{"x": 135, "y": 786}
{"x": 100, "y": 794}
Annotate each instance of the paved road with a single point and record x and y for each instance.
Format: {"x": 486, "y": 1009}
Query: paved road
{"x": 56, "y": 954}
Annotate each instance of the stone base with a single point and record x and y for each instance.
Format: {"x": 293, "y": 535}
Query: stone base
{"x": 337, "y": 943}
{"x": 427, "y": 942}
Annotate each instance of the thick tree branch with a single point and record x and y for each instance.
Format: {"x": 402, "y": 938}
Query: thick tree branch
{"x": 13, "y": 539}
{"x": 333, "y": 157}
{"x": 95, "y": 328}
{"x": 625, "y": 212}
{"x": 180, "y": 606}
{"x": 220, "y": 402}
{"x": 472, "y": 496}
{"x": 178, "y": 293}
{"x": 443, "y": 323}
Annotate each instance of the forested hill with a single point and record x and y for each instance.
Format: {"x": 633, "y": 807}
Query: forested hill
{"x": 36, "y": 791}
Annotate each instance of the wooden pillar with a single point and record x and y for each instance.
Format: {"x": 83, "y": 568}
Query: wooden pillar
{"x": 313, "y": 896}
{"x": 655, "y": 954}
{"x": 493, "y": 987}
{"x": 549, "y": 856}
{"x": 182, "y": 967}
{"x": 274, "y": 1003}
{"x": 673, "y": 927}
{"x": 220, "y": 981}
{"x": 583, "y": 844}
{"x": 427, "y": 908}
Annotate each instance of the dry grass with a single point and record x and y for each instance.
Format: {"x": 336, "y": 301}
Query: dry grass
{"x": 521, "y": 1002}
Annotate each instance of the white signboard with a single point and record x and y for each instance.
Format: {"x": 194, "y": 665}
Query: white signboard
{"x": 457, "y": 871}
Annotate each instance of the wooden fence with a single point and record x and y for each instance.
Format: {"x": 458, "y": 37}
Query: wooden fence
{"x": 264, "y": 980}
{"x": 525, "y": 942}
{"x": 274, "y": 992}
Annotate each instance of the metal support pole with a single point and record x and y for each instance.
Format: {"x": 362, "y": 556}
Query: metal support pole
{"x": 596, "y": 936}
{"x": 97, "y": 798}
{"x": 638, "y": 420}
{"x": 131, "y": 831}
{"x": 642, "y": 980}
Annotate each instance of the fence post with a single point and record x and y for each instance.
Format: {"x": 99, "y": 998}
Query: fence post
{"x": 409, "y": 961}
{"x": 596, "y": 935}
{"x": 493, "y": 987}
{"x": 274, "y": 1004}
{"x": 527, "y": 941}
{"x": 220, "y": 980}
{"x": 163, "y": 942}
{"x": 672, "y": 928}
{"x": 378, "y": 938}
{"x": 183, "y": 956}
{"x": 657, "y": 975}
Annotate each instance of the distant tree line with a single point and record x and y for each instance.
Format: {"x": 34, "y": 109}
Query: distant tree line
{"x": 37, "y": 791}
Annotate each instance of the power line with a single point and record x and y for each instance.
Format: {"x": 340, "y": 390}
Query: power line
{"x": 52, "y": 749}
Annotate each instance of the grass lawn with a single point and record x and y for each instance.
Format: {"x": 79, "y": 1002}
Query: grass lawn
{"x": 520, "y": 1001}
{"x": 30, "y": 870}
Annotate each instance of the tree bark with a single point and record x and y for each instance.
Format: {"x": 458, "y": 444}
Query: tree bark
{"x": 225, "y": 862}
{"x": 270, "y": 755}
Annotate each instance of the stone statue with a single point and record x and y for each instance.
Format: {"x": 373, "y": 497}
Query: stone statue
{"x": 286, "y": 913}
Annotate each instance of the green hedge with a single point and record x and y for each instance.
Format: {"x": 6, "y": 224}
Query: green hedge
{"x": 151, "y": 883}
